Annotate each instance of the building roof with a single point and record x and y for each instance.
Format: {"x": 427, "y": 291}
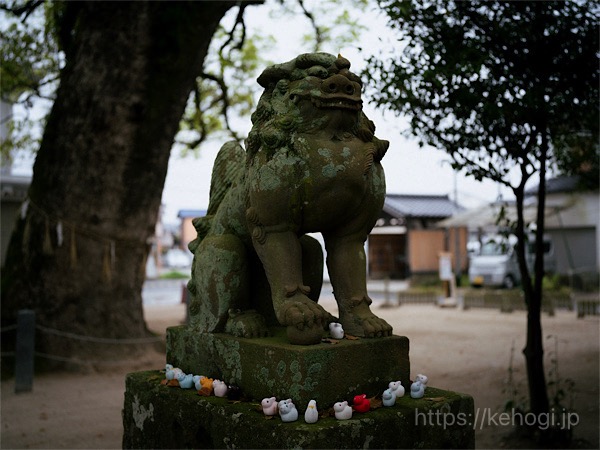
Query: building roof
{"x": 430, "y": 206}
{"x": 556, "y": 185}
{"x": 186, "y": 213}
{"x": 14, "y": 187}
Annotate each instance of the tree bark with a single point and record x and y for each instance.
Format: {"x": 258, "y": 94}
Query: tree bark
{"x": 78, "y": 255}
{"x": 534, "y": 348}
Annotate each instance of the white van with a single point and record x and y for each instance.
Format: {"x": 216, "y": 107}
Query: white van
{"x": 496, "y": 262}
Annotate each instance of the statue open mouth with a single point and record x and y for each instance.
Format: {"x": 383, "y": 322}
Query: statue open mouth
{"x": 337, "y": 103}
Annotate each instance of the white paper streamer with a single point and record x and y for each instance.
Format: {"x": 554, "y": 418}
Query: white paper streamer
{"x": 59, "y": 234}
{"x": 24, "y": 208}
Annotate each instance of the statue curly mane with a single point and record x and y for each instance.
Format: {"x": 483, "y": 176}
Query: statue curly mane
{"x": 277, "y": 116}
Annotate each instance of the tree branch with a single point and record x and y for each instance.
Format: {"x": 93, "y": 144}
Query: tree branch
{"x": 27, "y": 8}
{"x": 239, "y": 20}
{"x": 224, "y": 99}
{"x": 311, "y": 18}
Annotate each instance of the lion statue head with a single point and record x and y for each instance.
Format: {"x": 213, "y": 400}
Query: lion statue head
{"x": 311, "y": 92}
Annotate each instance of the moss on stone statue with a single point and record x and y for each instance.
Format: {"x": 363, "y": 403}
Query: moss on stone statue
{"x": 271, "y": 366}
{"x": 157, "y": 416}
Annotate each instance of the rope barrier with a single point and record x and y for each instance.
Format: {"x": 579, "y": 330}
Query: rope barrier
{"x": 83, "y": 361}
{"x": 8, "y": 328}
{"x": 98, "y": 339}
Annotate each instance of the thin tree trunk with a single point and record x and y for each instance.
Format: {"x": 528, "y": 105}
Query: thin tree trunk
{"x": 78, "y": 255}
{"x": 534, "y": 349}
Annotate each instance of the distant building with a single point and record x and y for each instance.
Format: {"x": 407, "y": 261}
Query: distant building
{"x": 406, "y": 240}
{"x": 573, "y": 223}
{"x": 13, "y": 191}
{"x": 187, "y": 230}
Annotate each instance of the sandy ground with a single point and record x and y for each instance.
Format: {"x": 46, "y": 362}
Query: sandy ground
{"x": 467, "y": 351}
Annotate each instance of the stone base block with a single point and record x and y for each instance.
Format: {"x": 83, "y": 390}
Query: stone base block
{"x": 157, "y": 416}
{"x": 267, "y": 367}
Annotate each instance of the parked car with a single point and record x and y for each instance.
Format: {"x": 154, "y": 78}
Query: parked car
{"x": 496, "y": 263}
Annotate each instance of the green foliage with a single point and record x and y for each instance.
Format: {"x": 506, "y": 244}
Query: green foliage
{"x": 28, "y": 57}
{"x": 486, "y": 80}
{"x": 578, "y": 154}
{"x": 29, "y": 65}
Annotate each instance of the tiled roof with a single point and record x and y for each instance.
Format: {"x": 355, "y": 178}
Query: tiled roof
{"x": 558, "y": 184}
{"x": 433, "y": 206}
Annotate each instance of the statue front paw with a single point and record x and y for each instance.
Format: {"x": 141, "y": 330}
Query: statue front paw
{"x": 247, "y": 324}
{"x": 305, "y": 319}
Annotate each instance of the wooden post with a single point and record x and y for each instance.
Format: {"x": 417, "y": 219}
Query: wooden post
{"x": 24, "y": 352}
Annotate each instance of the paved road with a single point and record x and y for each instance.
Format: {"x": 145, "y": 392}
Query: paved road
{"x": 163, "y": 292}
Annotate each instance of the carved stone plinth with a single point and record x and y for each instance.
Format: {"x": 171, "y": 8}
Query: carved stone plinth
{"x": 267, "y": 367}
{"x": 157, "y": 416}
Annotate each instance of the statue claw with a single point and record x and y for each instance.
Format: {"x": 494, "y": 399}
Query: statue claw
{"x": 305, "y": 319}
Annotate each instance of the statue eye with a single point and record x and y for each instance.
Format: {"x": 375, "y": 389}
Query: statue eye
{"x": 318, "y": 71}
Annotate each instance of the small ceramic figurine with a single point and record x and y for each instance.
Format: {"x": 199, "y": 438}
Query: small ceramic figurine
{"x": 269, "y": 406}
{"x": 336, "y": 330}
{"x": 342, "y": 411}
{"x": 185, "y": 381}
{"x": 361, "y": 403}
{"x": 422, "y": 378}
{"x": 397, "y": 388}
{"x": 417, "y": 389}
{"x": 206, "y": 386}
{"x": 388, "y": 397}
{"x": 312, "y": 414}
{"x": 220, "y": 388}
{"x": 172, "y": 372}
{"x": 288, "y": 411}
{"x": 197, "y": 383}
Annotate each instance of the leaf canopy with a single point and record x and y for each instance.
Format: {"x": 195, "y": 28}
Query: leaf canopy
{"x": 484, "y": 80}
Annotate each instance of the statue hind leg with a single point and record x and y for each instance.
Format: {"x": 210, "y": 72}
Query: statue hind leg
{"x": 220, "y": 289}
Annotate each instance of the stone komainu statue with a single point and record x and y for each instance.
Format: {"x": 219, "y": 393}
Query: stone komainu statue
{"x": 312, "y": 164}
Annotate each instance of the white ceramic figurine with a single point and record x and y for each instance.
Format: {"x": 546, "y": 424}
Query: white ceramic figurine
{"x": 336, "y": 330}
{"x": 312, "y": 414}
{"x": 288, "y": 411}
{"x": 342, "y": 411}
{"x": 388, "y": 397}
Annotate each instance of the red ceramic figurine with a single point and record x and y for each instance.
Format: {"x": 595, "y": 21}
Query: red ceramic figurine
{"x": 361, "y": 403}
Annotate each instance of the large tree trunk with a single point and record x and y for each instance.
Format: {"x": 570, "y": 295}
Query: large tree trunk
{"x": 100, "y": 170}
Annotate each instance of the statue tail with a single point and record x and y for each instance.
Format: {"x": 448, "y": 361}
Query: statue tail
{"x": 228, "y": 169}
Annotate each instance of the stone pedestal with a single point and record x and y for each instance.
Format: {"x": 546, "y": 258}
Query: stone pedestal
{"x": 267, "y": 367}
{"x": 157, "y": 416}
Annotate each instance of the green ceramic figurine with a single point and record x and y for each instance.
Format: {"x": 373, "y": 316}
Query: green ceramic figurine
{"x": 311, "y": 164}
